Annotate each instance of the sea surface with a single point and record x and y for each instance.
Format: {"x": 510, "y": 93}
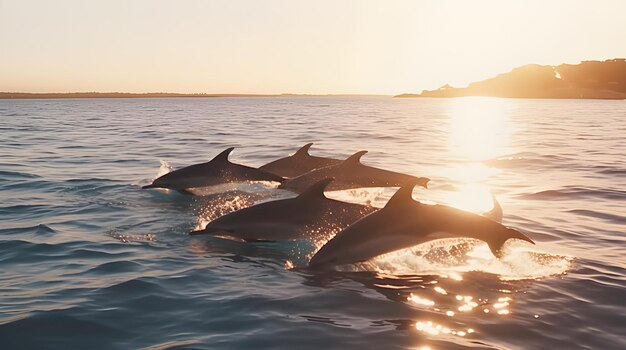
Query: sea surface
{"x": 89, "y": 260}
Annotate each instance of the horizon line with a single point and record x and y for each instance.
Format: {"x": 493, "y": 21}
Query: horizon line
{"x": 96, "y": 94}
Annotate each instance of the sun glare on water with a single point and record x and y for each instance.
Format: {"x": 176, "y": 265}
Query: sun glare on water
{"x": 478, "y": 128}
{"x": 475, "y": 198}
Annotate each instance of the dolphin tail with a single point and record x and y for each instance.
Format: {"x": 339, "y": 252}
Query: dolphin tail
{"x": 495, "y": 245}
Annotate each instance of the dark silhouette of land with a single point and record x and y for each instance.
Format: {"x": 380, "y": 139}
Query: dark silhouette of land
{"x": 587, "y": 80}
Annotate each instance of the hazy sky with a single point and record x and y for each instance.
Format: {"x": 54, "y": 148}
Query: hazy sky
{"x": 337, "y": 46}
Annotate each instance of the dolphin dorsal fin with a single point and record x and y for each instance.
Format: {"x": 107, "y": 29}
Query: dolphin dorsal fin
{"x": 402, "y": 196}
{"x": 304, "y": 151}
{"x": 354, "y": 159}
{"x": 223, "y": 157}
{"x": 317, "y": 189}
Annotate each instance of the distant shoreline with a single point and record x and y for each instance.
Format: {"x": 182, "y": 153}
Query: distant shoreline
{"x": 68, "y": 95}
{"x": 593, "y": 97}
{"x": 588, "y": 80}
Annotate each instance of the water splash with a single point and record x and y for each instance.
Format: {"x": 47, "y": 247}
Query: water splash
{"x": 164, "y": 169}
{"x": 373, "y": 196}
{"x": 221, "y": 206}
{"x": 453, "y": 257}
{"x": 220, "y": 200}
{"x": 129, "y": 238}
{"x": 249, "y": 187}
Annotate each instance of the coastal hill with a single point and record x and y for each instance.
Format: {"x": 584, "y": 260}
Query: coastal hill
{"x": 587, "y": 80}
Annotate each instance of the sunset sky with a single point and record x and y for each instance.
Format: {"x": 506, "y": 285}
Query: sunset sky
{"x": 369, "y": 47}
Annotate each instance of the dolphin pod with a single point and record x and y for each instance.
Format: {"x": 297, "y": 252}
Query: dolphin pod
{"x": 403, "y": 223}
{"x": 298, "y": 163}
{"x": 218, "y": 170}
{"x": 308, "y": 215}
{"x": 365, "y": 231}
{"x": 349, "y": 174}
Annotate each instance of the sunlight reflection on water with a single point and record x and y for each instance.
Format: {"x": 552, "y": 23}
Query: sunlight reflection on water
{"x": 478, "y": 128}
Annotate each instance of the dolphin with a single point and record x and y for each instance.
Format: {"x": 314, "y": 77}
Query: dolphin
{"x": 298, "y": 163}
{"x": 403, "y": 223}
{"x": 302, "y": 217}
{"x": 350, "y": 173}
{"x": 306, "y": 216}
{"x": 218, "y": 170}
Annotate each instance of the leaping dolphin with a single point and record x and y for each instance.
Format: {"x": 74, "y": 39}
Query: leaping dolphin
{"x": 298, "y": 163}
{"x": 403, "y": 223}
{"x": 306, "y": 216}
{"x": 218, "y": 170}
{"x": 350, "y": 173}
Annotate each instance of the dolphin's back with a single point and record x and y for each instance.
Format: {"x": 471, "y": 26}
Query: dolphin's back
{"x": 299, "y": 163}
{"x": 376, "y": 177}
{"x": 217, "y": 171}
{"x": 238, "y": 173}
{"x": 308, "y": 215}
{"x": 350, "y": 174}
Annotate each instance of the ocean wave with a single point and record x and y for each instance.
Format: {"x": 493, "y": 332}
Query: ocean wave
{"x": 613, "y": 218}
{"x": 39, "y": 229}
{"x": 574, "y": 193}
{"x": 11, "y": 175}
{"x": 525, "y": 159}
{"x": 611, "y": 171}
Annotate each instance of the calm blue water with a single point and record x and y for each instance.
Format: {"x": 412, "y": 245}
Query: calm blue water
{"x": 88, "y": 259}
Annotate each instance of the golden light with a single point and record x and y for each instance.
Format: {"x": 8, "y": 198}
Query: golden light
{"x": 478, "y": 130}
{"x": 479, "y": 127}
{"x": 419, "y": 300}
{"x": 440, "y": 290}
{"x": 432, "y": 328}
{"x": 475, "y": 198}
{"x": 470, "y": 172}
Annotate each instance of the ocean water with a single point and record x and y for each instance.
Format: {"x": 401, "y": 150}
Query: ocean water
{"x": 90, "y": 260}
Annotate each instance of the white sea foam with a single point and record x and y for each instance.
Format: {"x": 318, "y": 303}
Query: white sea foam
{"x": 521, "y": 260}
